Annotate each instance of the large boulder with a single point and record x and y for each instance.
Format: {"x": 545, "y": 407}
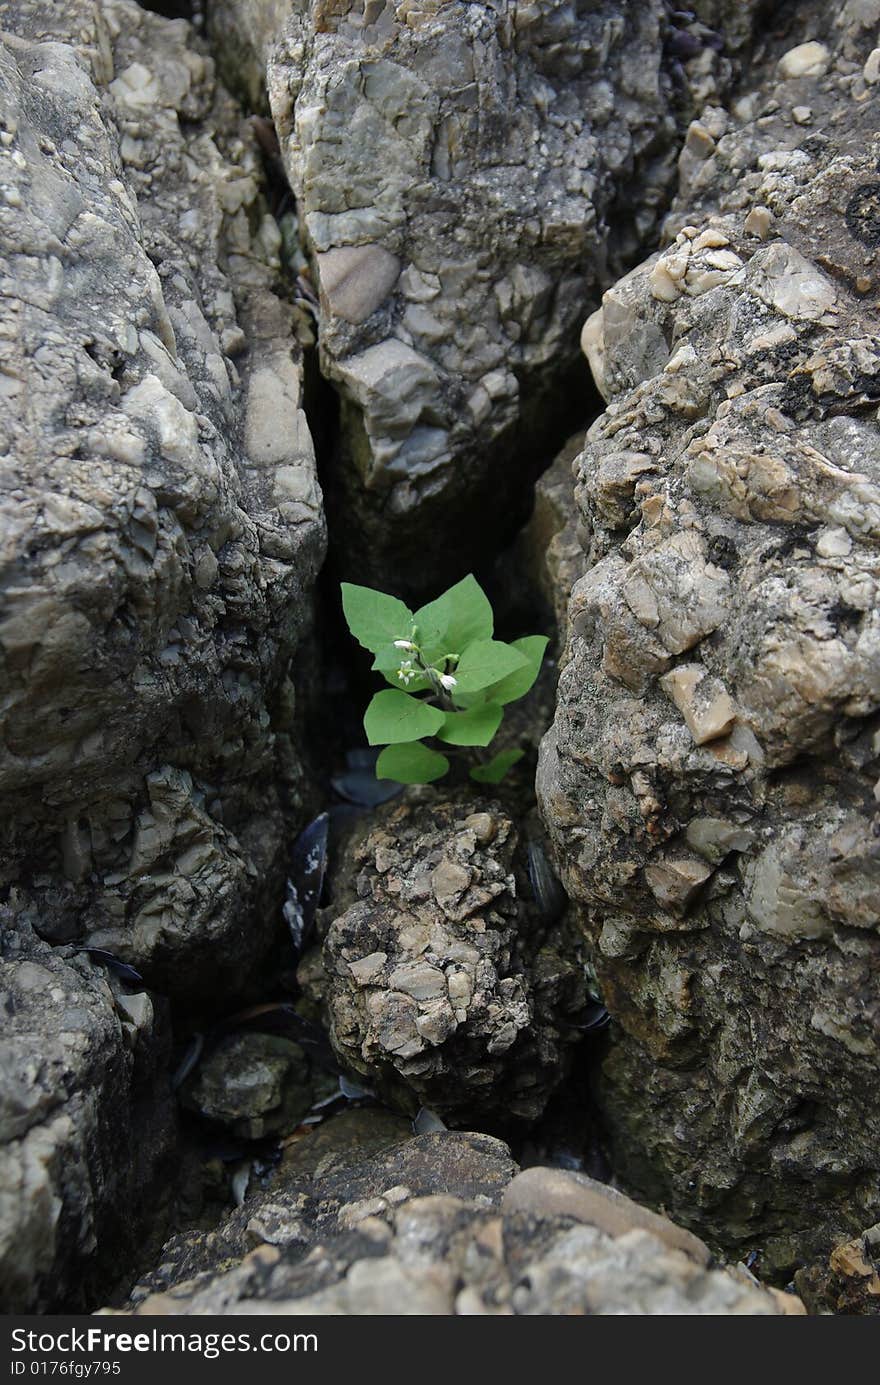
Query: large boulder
{"x": 446, "y": 1226}
{"x": 161, "y": 518}
{"x": 468, "y": 177}
{"x": 86, "y": 1123}
{"x": 710, "y": 781}
{"x": 441, "y": 981}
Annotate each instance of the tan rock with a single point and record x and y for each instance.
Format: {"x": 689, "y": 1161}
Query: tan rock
{"x": 356, "y": 280}
{"x": 806, "y": 60}
{"x": 557, "y": 1193}
{"x": 674, "y": 882}
{"x": 704, "y": 702}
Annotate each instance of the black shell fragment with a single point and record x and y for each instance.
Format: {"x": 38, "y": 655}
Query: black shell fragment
{"x": 308, "y": 866}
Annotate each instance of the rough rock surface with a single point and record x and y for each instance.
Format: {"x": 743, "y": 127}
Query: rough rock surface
{"x": 441, "y": 982}
{"x": 161, "y": 520}
{"x": 710, "y": 780}
{"x": 466, "y": 176}
{"x": 380, "y": 1238}
{"x": 848, "y": 1281}
{"x": 252, "y": 1085}
{"x": 86, "y": 1127}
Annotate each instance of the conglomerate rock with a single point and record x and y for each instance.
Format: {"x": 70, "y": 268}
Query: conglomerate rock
{"x": 161, "y": 519}
{"x": 445, "y": 1226}
{"x": 711, "y": 778}
{"x": 86, "y": 1126}
{"x": 441, "y": 982}
{"x": 467, "y": 177}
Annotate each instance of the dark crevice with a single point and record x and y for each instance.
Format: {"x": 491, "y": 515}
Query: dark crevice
{"x": 193, "y": 10}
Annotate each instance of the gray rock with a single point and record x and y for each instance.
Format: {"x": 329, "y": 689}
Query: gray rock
{"x": 419, "y": 1230}
{"x": 709, "y": 781}
{"x": 441, "y": 983}
{"x": 467, "y": 177}
{"x": 161, "y": 519}
{"x": 252, "y": 1084}
{"x": 86, "y": 1126}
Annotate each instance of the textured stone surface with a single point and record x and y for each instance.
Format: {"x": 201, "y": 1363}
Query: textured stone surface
{"x": 86, "y": 1127}
{"x": 419, "y": 1230}
{"x": 848, "y": 1281}
{"x": 253, "y": 1085}
{"x": 161, "y": 520}
{"x": 466, "y": 176}
{"x": 441, "y": 983}
{"x": 710, "y": 777}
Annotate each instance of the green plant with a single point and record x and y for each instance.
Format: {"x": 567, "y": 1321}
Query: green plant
{"x": 450, "y": 680}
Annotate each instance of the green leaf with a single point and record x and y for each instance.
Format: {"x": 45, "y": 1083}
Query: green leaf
{"x": 375, "y": 620}
{"x": 517, "y": 684}
{"x": 497, "y": 767}
{"x": 457, "y": 618}
{"x": 475, "y": 727}
{"x": 484, "y": 663}
{"x": 411, "y": 763}
{"x": 394, "y": 717}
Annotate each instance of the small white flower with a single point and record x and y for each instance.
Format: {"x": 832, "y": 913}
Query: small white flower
{"x": 404, "y": 644}
{"x": 406, "y": 673}
{"x": 448, "y": 681}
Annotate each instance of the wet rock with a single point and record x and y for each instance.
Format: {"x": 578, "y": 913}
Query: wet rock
{"x": 466, "y": 176}
{"x": 86, "y": 1126}
{"x": 161, "y": 516}
{"x": 709, "y": 782}
{"x": 442, "y": 984}
{"x": 253, "y": 1085}
{"x": 438, "y": 1227}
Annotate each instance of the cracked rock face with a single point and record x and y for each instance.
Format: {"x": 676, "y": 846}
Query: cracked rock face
{"x": 445, "y": 1226}
{"x": 161, "y": 519}
{"x": 86, "y": 1128}
{"x": 710, "y": 779}
{"x": 441, "y": 984}
{"x": 466, "y": 176}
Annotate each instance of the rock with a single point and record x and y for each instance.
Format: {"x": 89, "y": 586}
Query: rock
{"x": 809, "y": 59}
{"x": 556, "y": 1192}
{"x": 849, "y": 1281}
{"x": 86, "y": 1125}
{"x": 548, "y": 550}
{"x": 467, "y": 176}
{"x": 253, "y": 1085}
{"x": 441, "y": 983}
{"x": 439, "y": 1228}
{"x": 709, "y": 782}
{"x": 162, "y": 521}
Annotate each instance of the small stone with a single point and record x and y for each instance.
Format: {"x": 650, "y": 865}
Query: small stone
{"x": 871, "y": 70}
{"x": 699, "y": 142}
{"x": 356, "y": 279}
{"x": 758, "y": 222}
{"x": 708, "y": 709}
{"x": 802, "y": 115}
{"x": 137, "y": 1008}
{"x": 806, "y": 60}
{"x": 834, "y": 543}
{"x": 449, "y": 881}
{"x": 366, "y": 969}
{"x": 676, "y": 881}
{"x": 418, "y": 979}
{"x": 354, "y": 1212}
{"x": 484, "y": 827}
